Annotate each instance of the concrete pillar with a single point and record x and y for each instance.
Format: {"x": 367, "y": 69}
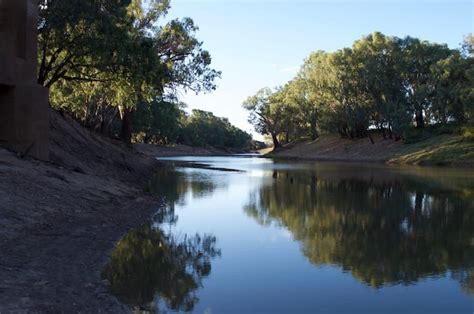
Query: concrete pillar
{"x": 24, "y": 105}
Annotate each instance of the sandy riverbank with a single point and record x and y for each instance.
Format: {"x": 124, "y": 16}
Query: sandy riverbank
{"x": 445, "y": 150}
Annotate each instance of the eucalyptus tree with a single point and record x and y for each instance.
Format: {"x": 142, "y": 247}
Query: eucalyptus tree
{"x": 120, "y": 53}
{"x": 468, "y": 90}
{"x": 381, "y": 79}
{"x": 203, "y": 128}
{"x": 294, "y": 95}
{"x": 266, "y": 114}
{"x": 454, "y": 83}
{"x": 380, "y": 82}
{"x": 81, "y": 50}
{"x": 289, "y": 119}
{"x": 467, "y": 46}
{"x": 309, "y": 90}
{"x": 419, "y": 57}
{"x": 171, "y": 57}
{"x": 158, "y": 122}
{"x": 79, "y": 40}
{"x": 352, "y": 106}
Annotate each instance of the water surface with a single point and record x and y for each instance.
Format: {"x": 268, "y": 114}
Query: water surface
{"x": 279, "y": 237}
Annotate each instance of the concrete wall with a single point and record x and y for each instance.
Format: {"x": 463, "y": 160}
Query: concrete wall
{"x": 24, "y": 105}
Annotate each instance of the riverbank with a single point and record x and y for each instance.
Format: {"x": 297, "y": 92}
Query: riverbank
{"x": 60, "y": 220}
{"x": 446, "y": 150}
{"x": 180, "y": 150}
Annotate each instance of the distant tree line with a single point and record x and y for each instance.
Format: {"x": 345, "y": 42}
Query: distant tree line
{"x": 165, "y": 122}
{"x": 385, "y": 83}
{"x": 110, "y": 64}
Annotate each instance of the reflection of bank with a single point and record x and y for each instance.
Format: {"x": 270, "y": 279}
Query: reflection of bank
{"x": 385, "y": 230}
{"x": 24, "y": 109}
{"x": 149, "y": 269}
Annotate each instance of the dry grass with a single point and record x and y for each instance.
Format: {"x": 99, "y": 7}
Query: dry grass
{"x": 444, "y": 149}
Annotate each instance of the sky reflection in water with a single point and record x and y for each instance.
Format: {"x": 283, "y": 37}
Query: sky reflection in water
{"x": 311, "y": 237}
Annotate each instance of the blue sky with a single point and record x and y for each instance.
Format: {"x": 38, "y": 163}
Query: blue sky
{"x": 258, "y": 43}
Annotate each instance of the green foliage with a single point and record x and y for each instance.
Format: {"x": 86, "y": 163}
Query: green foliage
{"x": 468, "y": 133}
{"x": 202, "y": 128}
{"x": 439, "y": 150}
{"x": 165, "y": 122}
{"x": 102, "y": 59}
{"x": 158, "y": 122}
{"x": 381, "y": 82}
{"x": 267, "y": 113}
{"x": 414, "y": 135}
{"x": 80, "y": 40}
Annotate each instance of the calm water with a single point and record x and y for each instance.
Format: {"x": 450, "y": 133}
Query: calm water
{"x": 302, "y": 238}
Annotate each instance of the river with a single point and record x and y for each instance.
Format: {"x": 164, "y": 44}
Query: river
{"x": 301, "y": 237}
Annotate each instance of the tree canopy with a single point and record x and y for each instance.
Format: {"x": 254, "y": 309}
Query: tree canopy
{"x": 381, "y": 82}
{"x": 104, "y": 59}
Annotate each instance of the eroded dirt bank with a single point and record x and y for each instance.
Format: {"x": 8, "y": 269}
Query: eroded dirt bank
{"x": 60, "y": 220}
{"x": 445, "y": 150}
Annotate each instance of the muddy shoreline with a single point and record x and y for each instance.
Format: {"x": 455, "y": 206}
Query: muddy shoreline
{"x": 58, "y": 229}
{"x": 60, "y": 220}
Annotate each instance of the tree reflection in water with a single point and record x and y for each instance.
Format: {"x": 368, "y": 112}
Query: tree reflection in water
{"x": 384, "y": 230}
{"x": 149, "y": 268}
{"x": 174, "y": 185}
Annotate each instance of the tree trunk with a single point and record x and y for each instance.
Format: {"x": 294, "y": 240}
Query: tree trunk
{"x": 370, "y": 137}
{"x": 126, "y": 133}
{"x": 419, "y": 202}
{"x": 314, "y": 131}
{"x": 276, "y": 143}
{"x": 420, "y": 122}
{"x": 382, "y": 130}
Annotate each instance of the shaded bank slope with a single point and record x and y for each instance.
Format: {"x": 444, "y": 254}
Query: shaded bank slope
{"x": 61, "y": 219}
{"x": 76, "y": 148}
{"x": 439, "y": 150}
